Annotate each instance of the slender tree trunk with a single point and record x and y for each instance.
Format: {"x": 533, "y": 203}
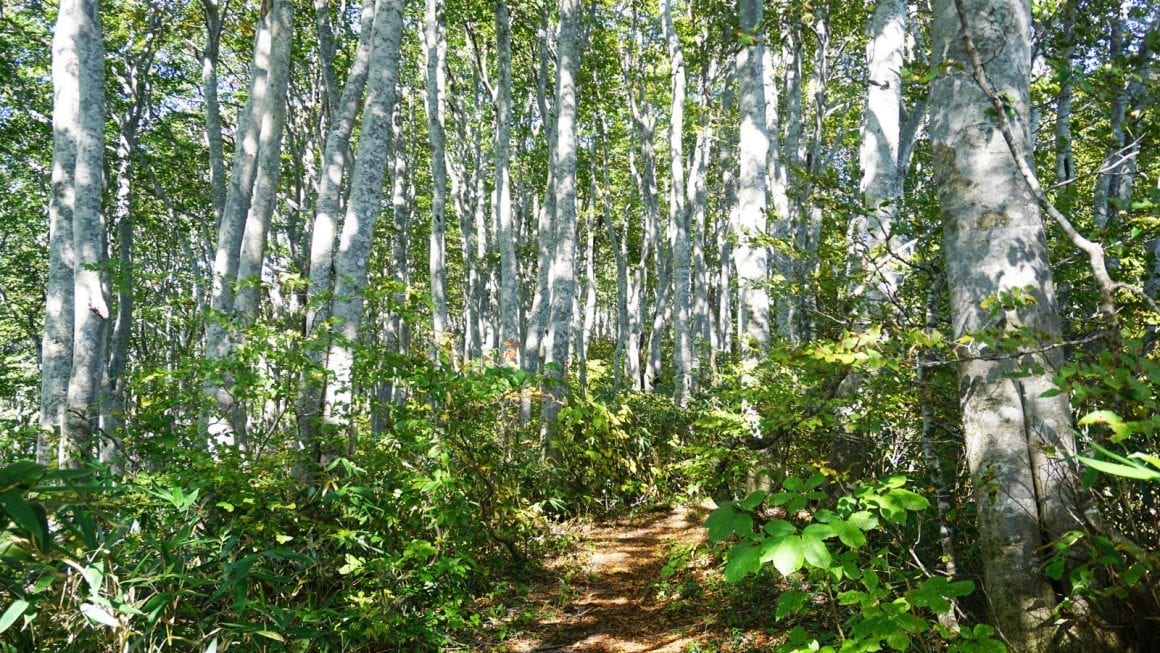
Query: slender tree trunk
{"x": 253, "y": 249}
{"x": 1016, "y": 439}
{"x": 335, "y": 163}
{"x": 437, "y": 266}
{"x": 213, "y": 116}
{"x": 623, "y": 322}
{"x": 135, "y": 81}
{"x": 877, "y": 246}
{"x": 86, "y": 384}
{"x": 679, "y": 215}
{"x": 751, "y": 257}
{"x": 509, "y": 336}
{"x": 362, "y": 212}
{"x": 559, "y": 336}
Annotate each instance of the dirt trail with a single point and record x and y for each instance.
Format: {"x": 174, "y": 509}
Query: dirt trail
{"x": 611, "y": 604}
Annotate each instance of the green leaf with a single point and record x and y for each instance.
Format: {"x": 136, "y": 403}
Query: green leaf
{"x": 1126, "y": 471}
{"x": 849, "y": 534}
{"x": 864, "y": 519}
{"x": 21, "y": 512}
{"x": 752, "y": 501}
{"x": 269, "y": 634}
{"x": 793, "y": 484}
{"x": 1050, "y": 392}
{"x": 726, "y": 521}
{"x": 790, "y": 602}
{"x": 13, "y": 613}
{"x": 779, "y": 528}
{"x": 22, "y": 474}
{"x": 815, "y": 551}
{"x": 910, "y": 500}
{"x": 785, "y": 553}
{"x": 743, "y": 559}
{"x": 820, "y": 531}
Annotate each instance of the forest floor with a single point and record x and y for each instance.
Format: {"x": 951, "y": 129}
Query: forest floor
{"x": 643, "y": 583}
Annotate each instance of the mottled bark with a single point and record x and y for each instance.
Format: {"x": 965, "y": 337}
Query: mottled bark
{"x": 213, "y": 116}
{"x": 253, "y": 246}
{"x": 434, "y": 48}
{"x": 362, "y": 212}
{"x": 559, "y": 336}
{"x": 335, "y": 163}
{"x": 679, "y": 214}
{"x": 1016, "y": 439}
{"x": 509, "y": 333}
{"x": 878, "y": 250}
{"x": 57, "y": 344}
{"x": 751, "y": 257}
{"x": 86, "y": 384}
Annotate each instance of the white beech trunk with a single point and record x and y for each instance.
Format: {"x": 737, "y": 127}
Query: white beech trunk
{"x": 679, "y": 214}
{"x": 1016, "y": 439}
{"x": 213, "y": 116}
{"x": 877, "y": 248}
{"x": 86, "y": 384}
{"x": 335, "y": 163}
{"x": 253, "y": 247}
{"x": 57, "y": 343}
{"x": 362, "y": 212}
{"x": 437, "y": 249}
{"x": 753, "y": 149}
{"x": 559, "y": 336}
{"x": 509, "y": 335}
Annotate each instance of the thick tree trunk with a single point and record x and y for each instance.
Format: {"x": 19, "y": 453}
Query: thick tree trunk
{"x": 57, "y": 344}
{"x": 751, "y": 258}
{"x": 1016, "y": 439}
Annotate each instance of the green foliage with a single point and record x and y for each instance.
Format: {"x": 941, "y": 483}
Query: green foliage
{"x": 619, "y": 452}
{"x": 849, "y": 558}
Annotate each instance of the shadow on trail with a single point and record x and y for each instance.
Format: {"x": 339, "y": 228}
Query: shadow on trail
{"x": 612, "y": 606}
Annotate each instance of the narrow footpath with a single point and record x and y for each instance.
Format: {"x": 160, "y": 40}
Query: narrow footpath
{"x": 609, "y": 593}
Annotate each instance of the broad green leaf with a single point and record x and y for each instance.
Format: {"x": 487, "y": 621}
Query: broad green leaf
{"x": 743, "y": 559}
{"x": 790, "y": 602}
{"x": 779, "y": 528}
{"x": 864, "y": 520}
{"x": 793, "y": 484}
{"x": 910, "y": 500}
{"x": 726, "y": 521}
{"x": 750, "y": 502}
{"x": 849, "y": 534}
{"x": 13, "y": 613}
{"x": 785, "y": 553}
{"x": 898, "y": 640}
{"x": 820, "y": 531}
{"x": 815, "y": 551}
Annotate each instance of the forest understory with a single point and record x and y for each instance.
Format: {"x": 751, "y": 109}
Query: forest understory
{"x": 425, "y": 325}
